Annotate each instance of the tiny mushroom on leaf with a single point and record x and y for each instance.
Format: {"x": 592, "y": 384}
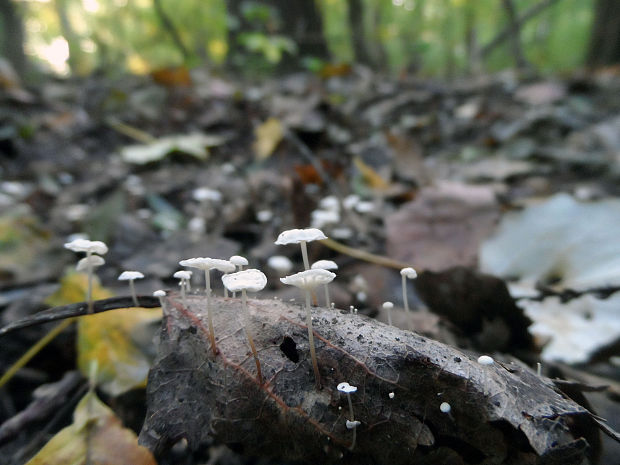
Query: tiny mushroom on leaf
{"x": 325, "y": 265}
{"x": 308, "y": 280}
{"x": 301, "y": 236}
{"x": 239, "y": 263}
{"x": 207, "y": 264}
{"x": 407, "y": 273}
{"x": 160, "y": 294}
{"x": 245, "y": 281}
{"x": 90, "y": 248}
{"x": 184, "y": 277}
{"x": 352, "y": 423}
{"x": 388, "y": 306}
{"x": 131, "y": 276}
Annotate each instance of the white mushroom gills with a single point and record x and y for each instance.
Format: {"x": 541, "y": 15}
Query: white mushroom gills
{"x": 325, "y": 265}
{"x": 352, "y": 423}
{"x": 251, "y": 280}
{"x": 407, "y": 273}
{"x": 131, "y": 276}
{"x": 308, "y": 280}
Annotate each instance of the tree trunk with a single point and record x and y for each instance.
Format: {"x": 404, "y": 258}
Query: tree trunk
{"x": 302, "y": 22}
{"x": 13, "y": 40}
{"x": 358, "y": 34}
{"x": 605, "y": 36}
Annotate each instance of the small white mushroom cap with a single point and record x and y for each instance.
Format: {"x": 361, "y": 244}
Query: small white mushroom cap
{"x": 309, "y": 279}
{"x": 238, "y": 260}
{"x": 445, "y": 407}
{"x": 84, "y": 245}
{"x": 346, "y": 388}
{"x": 206, "y": 263}
{"x": 388, "y": 305}
{"x": 409, "y": 273}
{"x": 353, "y": 424}
{"x": 204, "y": 193}
{"x": 130, "y": 275}
{"x": 159, "y": 293}
{"x": 321, "y": 218}
{"x": 264, "y": 215}
{"x": 324, "y": 265}
{"x": 280, "y": 263}
{"x": 295, "y": 236}
{"x": 350, "y": 201}
{"x": 182, "y": 274}
{"x": 330, "y": 202}
{"x": 485, "y": 360}
{"x": 364, "y": 206}
{"x": 93, "y": 261}
{"x": 251, "y": 280}
{"x": 391, "y": 395}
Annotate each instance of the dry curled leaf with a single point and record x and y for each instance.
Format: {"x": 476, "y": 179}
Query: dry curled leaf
{"x": 499, "y": 413}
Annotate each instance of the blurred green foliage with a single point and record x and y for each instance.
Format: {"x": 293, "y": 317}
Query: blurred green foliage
{"x": 431, "y": 37}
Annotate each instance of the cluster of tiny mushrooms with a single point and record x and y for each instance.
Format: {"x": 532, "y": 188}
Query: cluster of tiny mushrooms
{"x": 236, "y": 279}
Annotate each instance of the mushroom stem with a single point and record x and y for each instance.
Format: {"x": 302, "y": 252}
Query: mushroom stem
{"x": 304, "y": 255}
{"x": 89, "y": 292}
{"x": 225, "y": 290}
{"x": 352, "y": 446}
{"x": 405, "y": 301}
{"x": 182, "y": 285}
{"x": 315, "y": 365}
{"x": 210, "y": 317}
{"x": 133, "y": 293}
{"x": 244, "y": 298}
{"x": 326, "y": 296}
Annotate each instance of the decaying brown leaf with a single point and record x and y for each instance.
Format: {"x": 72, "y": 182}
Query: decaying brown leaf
{"x": 501, "y": 413}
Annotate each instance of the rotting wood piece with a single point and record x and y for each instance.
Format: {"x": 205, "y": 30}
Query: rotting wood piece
{"x": 502, "y": 413}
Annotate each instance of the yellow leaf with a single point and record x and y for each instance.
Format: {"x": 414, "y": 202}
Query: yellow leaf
{"x": 268, "y": 136}
{"x": 371, "y": 177}
{"x": 96, "y": 434}
{"x": 73, "y": 288}
{"x": 114, "y": 340}
{"x": 120, "y": 341}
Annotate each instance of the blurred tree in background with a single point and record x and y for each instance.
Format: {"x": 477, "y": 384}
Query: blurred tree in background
{"x": 426, "y": 37}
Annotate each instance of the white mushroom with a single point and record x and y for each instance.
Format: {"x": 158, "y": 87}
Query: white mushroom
{"x": 308, "y": 280}
{"x": 352, "y": 423}
{"x": 131, "y": 276}
{"x": 445, "y": 407}
{"x": 407, "y": 273}
{"x": 183, "y": 276}
{"x": 280, "y": 264}
{"x": 89, "y": 263}
{"x": 239, "y": 262}
{"x": 207, "y": 264}
{"x": 388, "y": 306}
{"x": 301, "y": 236}
{"x": 90, "y": 248}
{"x": 325, "y": 265}
{"x": 160, "y": 294}
{"x": 251, "y": 280}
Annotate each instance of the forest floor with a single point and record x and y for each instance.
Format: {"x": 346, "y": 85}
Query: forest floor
{"x": 494, "y": 175}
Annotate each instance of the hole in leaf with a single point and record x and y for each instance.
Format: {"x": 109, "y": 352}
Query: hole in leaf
{"x": 289, "y": 348}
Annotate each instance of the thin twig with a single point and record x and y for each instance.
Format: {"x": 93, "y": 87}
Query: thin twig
{"x": 362, "y": 255}
{"x": 79, "y": 309}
